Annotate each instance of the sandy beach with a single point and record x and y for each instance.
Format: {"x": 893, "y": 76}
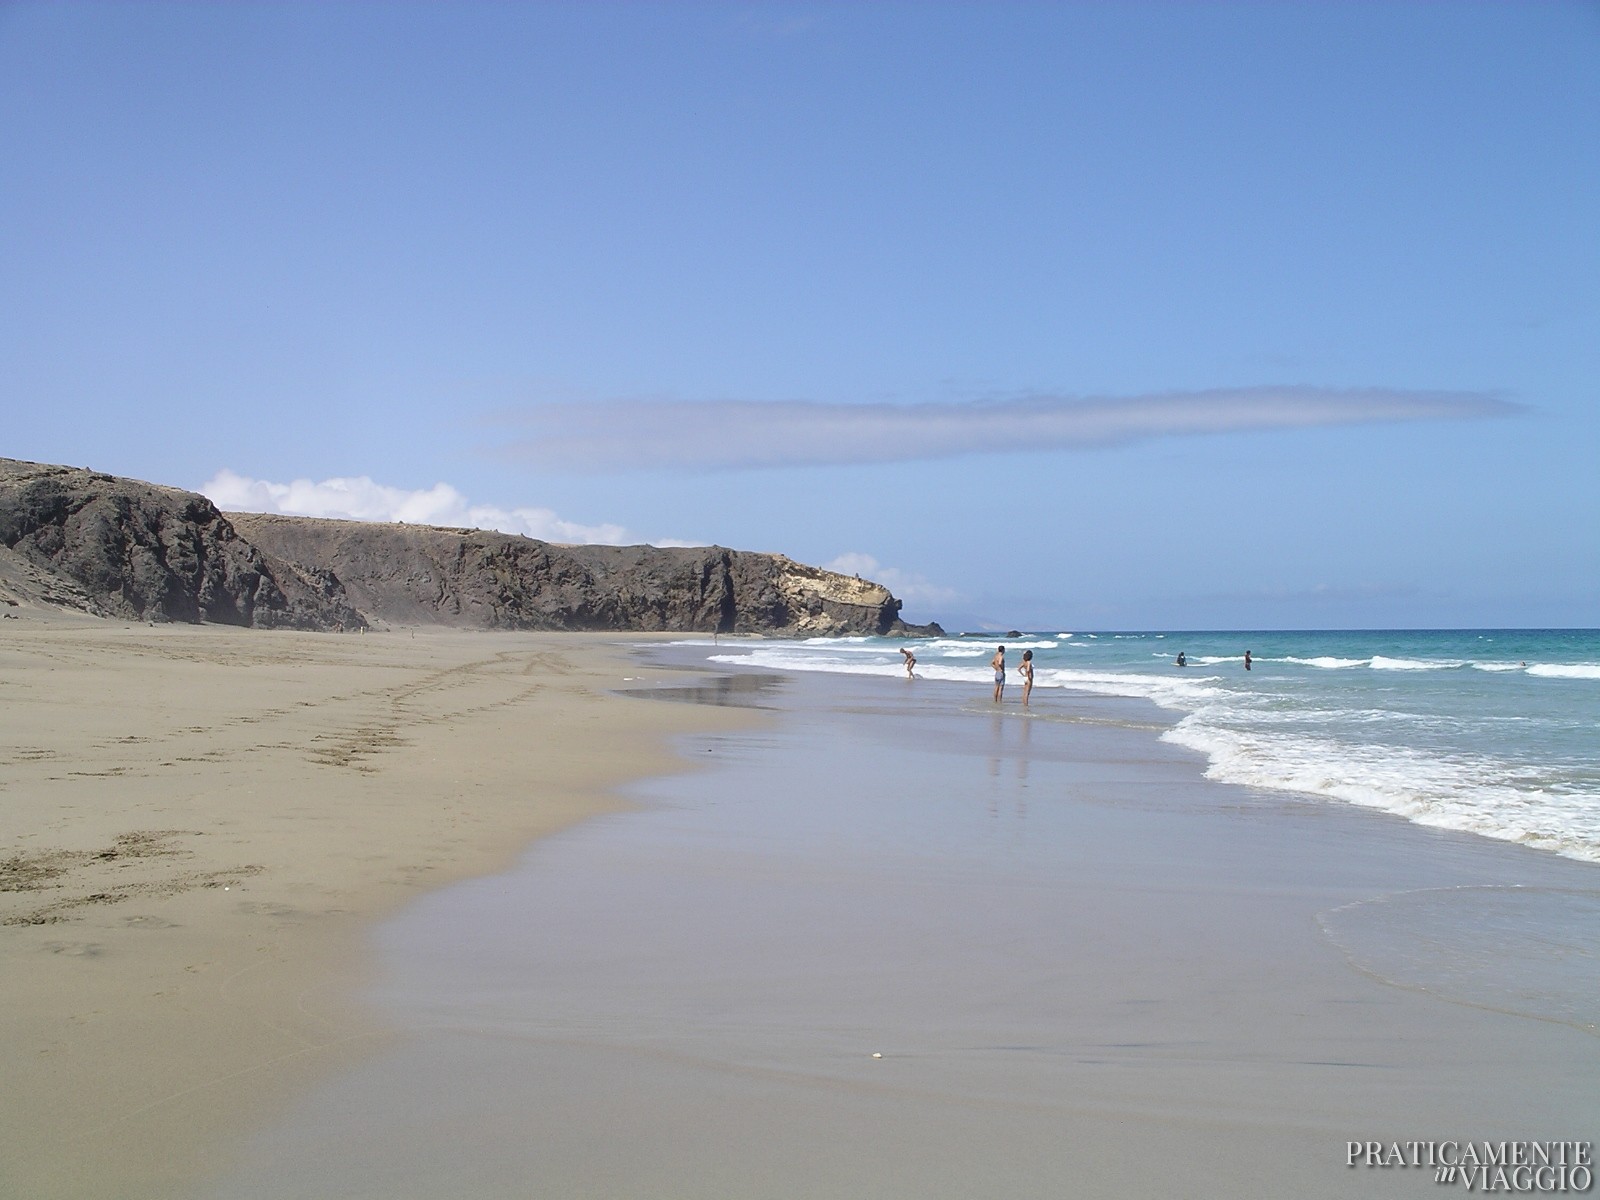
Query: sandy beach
{"x": 198, "y": 828}
{"x": 404, "y": 916}
{"x": 1087, "y": 971}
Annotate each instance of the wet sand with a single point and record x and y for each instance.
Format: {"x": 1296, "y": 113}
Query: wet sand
{"x": 897, "y": 943}
{"x": 198, "y": 828}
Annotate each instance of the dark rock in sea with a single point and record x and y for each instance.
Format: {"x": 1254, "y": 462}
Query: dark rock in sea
{"x": 115, "y": 547}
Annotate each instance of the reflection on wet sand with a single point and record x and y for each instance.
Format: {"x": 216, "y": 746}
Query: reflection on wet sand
{"x": 742, "y": 690}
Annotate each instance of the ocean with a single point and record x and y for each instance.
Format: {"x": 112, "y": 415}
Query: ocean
{"x": 1494, "y": 732}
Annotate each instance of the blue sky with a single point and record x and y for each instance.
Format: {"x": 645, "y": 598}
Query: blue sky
{"x": 1099, "y": 315}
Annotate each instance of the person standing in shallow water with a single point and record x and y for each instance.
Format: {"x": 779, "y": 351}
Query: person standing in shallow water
{"x": 998, "y": 662}
{"x": 1247, "y": 660}
{"x": 1026, "y": 671}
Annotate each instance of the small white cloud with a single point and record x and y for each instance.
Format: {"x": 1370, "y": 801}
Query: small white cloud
{"x": 906, "y": 585}
{"x": 688, "y": 435}
{"x": 361, "y": 499}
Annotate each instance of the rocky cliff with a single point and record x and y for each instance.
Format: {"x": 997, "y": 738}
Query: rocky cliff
{"x": 409, "y": 574}
{"x": 118, "y": 547}
{"x": 121, "y": 548}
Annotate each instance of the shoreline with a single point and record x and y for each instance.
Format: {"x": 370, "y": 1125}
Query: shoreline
{"x": 271, "y": 995}
{"x": 204, "y": 825}
{"x": 1483, "y": 732}
{"x": 898, "y": 943}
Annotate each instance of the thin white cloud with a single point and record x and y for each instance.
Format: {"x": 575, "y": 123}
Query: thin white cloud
{"x": 906, "y": 585}
{"x": 361, "y": 499}
{"x": 626, "y": 434}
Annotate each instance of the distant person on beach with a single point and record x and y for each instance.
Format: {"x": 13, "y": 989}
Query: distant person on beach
{"x": 998, "y": 662}
{"x": 1183, "y": 659}
{"x": 911, "y": 663}
{"x": 1247, "y": 660}
{"x": 1026, "y": 671}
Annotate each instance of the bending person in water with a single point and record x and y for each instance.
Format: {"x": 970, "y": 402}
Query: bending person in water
{"x": 911, "y": 663}
{"x": 1026, "y": 671}
{"x": 998, "y": 662}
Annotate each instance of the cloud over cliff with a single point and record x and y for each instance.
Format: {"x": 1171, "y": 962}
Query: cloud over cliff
{"x": 362, "y": 499}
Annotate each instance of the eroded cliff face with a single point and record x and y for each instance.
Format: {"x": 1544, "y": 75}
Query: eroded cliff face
{"x": 819, "y": 600}
{"x": 122, "y": 548}
{"x": 409, "y": 574}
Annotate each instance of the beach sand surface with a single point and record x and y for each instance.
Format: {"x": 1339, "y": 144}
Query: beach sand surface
{"x": 198, "y": 828}
{"x": 898, "y": 943}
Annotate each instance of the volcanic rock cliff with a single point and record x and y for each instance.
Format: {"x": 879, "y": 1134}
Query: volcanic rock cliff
{"x": 122, "y": 548}
{"x": 114, "y": 547}
{"x": 410, "y": 575}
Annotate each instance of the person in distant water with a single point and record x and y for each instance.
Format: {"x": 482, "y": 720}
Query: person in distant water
{"x": 911, "y": 663}
{"x": 1247, "y": 660}
{"x": 998, "y": 662}
{"x": 1183, "y": 659}
{"x": 1026, "y": 671}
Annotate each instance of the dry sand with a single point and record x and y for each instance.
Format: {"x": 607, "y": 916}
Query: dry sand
{"x": 198, "y": 825}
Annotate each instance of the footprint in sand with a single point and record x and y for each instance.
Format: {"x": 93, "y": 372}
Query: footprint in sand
{"x": 76, "y": 949}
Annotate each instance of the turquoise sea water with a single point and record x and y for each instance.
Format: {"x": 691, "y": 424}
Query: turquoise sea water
{"x": 1495, "y": 732}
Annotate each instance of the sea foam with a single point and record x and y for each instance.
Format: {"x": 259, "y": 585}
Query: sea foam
{"x": 1472, "y": 794}
{"x": 1381, "y": 663}
{"x": 1566, "y": 670}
